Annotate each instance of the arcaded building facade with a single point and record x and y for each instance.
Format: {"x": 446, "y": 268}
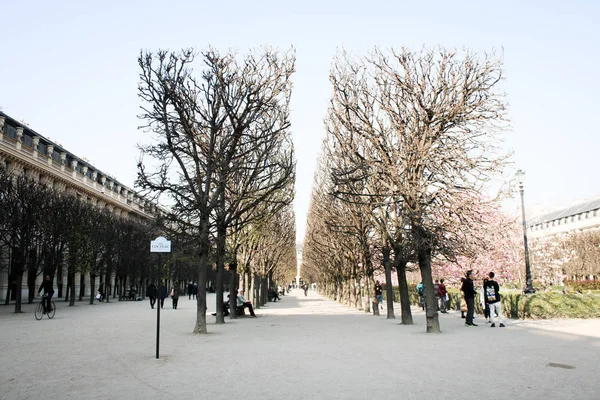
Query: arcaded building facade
{"x": 22, "y": 150}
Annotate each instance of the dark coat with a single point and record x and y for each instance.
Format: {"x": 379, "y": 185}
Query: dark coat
{"x": 151, "y": 291}
{"x": 468, "y": 288}
{"x": 163, "y": 292}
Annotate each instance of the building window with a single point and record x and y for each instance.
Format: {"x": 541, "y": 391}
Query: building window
{"x": 42, "y": 148}
{"x": 595, "y": 213}
{"x": 89, "y": 173}
{"x": 11, "y": 132}
{"x": 27, "y": 141}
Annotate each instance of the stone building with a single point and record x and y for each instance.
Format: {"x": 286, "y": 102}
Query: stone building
{"x": 576, "y": 218}
{"x": 22, "y": 150}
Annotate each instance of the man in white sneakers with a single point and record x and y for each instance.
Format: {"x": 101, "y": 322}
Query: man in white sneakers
{"x": 492, "y": 295}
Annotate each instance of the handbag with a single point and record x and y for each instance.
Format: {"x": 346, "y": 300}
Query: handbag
{"x": 172, "y": 293}
{"x": 98, "y": 296}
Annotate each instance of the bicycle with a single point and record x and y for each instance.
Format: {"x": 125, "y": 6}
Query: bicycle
{"x": 39, "y": 309}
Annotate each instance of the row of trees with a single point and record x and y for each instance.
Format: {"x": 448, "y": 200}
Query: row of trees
{"x": 45, "y": 228}
{"x": 222, "y": 161}
{"x": 571, "y": 256}
{"x": 412, "y": 145}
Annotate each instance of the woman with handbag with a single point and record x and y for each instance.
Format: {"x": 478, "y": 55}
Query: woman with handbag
{"x": 175, "y": 295}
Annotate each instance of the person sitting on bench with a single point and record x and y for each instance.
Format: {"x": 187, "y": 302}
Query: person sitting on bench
{"x": 273, "y": 296}
{"x": 242, "y": 302}
{"x": 225, "y": 308}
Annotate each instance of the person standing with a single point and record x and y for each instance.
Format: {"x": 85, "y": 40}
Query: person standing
{"x": 175, "y": 295}
{"x": 151, "y": 292}
{"x": 463, "y": 303}
{"x": 162, "y": 292}
{"x": 379, "y": 294}
{"x": 48, "y": 293}
{"x": 492, "y": 295}
{"x": 420, "y": 288}
{"x": 436, "y": 293}
{"x": 469, "y": 291}
{"x": 483, "y": 301}
{"x": 443, "y": 296}
{"x": 101, "y": 292}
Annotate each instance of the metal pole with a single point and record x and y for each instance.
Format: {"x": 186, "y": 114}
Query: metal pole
{"x": 528, "y": 283}
{"x": 158, "y": 307}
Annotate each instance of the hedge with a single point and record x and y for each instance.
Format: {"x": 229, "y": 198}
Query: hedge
{"x": 583, "y": 286}
{"x": 538, "y": 306}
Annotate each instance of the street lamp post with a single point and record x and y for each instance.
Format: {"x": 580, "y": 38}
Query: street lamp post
{"x": 528, "y": 283}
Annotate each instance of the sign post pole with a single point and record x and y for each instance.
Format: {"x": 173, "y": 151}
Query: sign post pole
{"x": 159, "y": 245}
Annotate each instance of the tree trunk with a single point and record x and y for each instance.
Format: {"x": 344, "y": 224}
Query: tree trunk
{"x": 31, "y": 285}
{"x": 200, "y": 326}
{"x": 92, "y": 287}
{"x": 116, "y": 289}
{"x": 60, "y": 281}
{"x": 233, "y": 289}
{"x": 81, "y": 286}
{"x": 220, "y": 256}
{"x": 375, "y": 303}
{"x": 71, "y": 288}
{"x": 431, "y": 312}
{"x": 252, "y": 292}
{"x": 400, "y": 265}
{"x": 246, "y": 282}
{"x": 264, "y": 289}
{"x": 389, "y": 290}
{"x": 18, "y": 291}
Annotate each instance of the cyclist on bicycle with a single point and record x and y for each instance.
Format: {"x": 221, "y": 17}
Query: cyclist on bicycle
{"x": 48, "y": 293}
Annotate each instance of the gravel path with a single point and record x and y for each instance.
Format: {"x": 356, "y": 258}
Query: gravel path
{"x": 300, "y": 348}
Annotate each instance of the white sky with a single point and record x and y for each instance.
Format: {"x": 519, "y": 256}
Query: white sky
{"x": 69, "y": 70}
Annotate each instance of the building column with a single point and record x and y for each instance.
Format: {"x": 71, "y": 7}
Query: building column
{"x": 63, "y": 157}
{"x": 19, "y": 137}
{"x": 2, "y": 119}
{"x": 74, "y": 165}
{"x": 84, "y": 171}
{"x": 94, "y": 177}
{"x": 49, "y": 153}
{"x": 36, "y": 142}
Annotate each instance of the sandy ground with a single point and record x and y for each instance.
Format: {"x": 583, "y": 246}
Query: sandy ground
{"x": 299, "y": 348}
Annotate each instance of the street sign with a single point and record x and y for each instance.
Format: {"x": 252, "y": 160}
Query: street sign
{"x": 160, "y": 245}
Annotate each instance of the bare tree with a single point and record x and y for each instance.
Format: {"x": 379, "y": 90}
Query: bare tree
{"x": 200, "y": 126}
{"x": 424, "y": 126}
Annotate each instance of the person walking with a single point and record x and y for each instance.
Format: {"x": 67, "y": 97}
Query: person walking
{"x": 194, "y": 291}
{"x": 190, "y": 290}
{"x": 152, "y": 292}
{"x": 379, "y": 294}
{"x": 443, "y": 296}
{"x": 162, "y": 292}
{"x": 492, "y": 295}
{"x": 483, "y": 301}
{"x": 470, "y": 292}
{"x": 175, "y": 295}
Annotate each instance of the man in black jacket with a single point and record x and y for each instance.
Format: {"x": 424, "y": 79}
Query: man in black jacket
{"x": 469, "y": 291}
{"x": 48, "y": 293}
{"x": 152, "y": 293}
